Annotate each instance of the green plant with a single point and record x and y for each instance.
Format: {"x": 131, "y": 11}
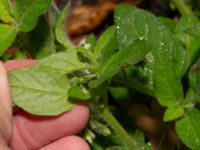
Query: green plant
{"x": 162, "y": 55}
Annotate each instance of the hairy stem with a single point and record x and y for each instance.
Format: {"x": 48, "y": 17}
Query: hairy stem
{"x": 130, "y": 142}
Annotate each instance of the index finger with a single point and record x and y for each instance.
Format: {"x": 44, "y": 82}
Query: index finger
{"x": 13, "y": 64}
{"x": 37, "y": 131}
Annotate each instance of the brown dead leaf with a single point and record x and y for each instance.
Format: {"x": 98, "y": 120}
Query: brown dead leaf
{"x": 85, "y": 18}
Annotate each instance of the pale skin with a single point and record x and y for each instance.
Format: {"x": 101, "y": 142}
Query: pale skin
{"x": 22, "y": 131}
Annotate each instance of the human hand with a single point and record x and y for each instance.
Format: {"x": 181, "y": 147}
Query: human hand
{"x": 22, "y": 131}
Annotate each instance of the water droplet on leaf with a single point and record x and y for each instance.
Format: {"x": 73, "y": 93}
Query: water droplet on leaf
{"x": 141, "y": 38}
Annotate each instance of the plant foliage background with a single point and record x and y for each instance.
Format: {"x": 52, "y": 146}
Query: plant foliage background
{"x": 141, "y": 76}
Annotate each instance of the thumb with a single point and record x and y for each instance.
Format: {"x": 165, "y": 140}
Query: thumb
{"x": 5, "y": 106}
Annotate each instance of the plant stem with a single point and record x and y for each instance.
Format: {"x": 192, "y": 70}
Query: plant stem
{"x": 182, "y": 7}
{"x": 130, "y": 142}
{"x": 135, "y": 85}
{"x": 54, "y": 6}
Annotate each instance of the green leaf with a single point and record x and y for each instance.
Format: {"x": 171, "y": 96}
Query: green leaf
{"x": 79, "y": 93}
{"x": 194, "y": 31}
{"x": 91, "y": 40}
{"x": 60, "y": 32}
{"x": 133, "y": 23}
{"x": 186, "y": 22}
{"x": 188, "y": 129}
{"x": 121, "y": 96}
{"x": 42, "y": 40}
{"x": 191, "y": 43}
{"x": 169, "y": 67}
{"x": 63, "y": 62}
{"x": 194, "y": 76}
{"x": 148, "y": 147}
{"x": 181, "y": 59}
{"x": 106, "y": 44}
{"x": 130, "y": 55}
{"x": 168, "y": 88}
{"x": 96, "y": 146}
{"x": 171, "y": 52}
{"x": 5, "y": 14}
{"x": 169, "y": 23}
{"x": 189, "y": 97}
{"x": 26, "y": 12}
{"x": 194, "y": 80}
{"x": 7, "y": 37}
{"x": 173, "y": 112}
{"x": 167, "y": 85}
{"x": 40, "y": 91}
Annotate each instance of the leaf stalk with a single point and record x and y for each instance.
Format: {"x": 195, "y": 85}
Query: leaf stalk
{"x": 182, "y": 7}
{"x": 135, "y": 85}
{"x": 130, "y": 142}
